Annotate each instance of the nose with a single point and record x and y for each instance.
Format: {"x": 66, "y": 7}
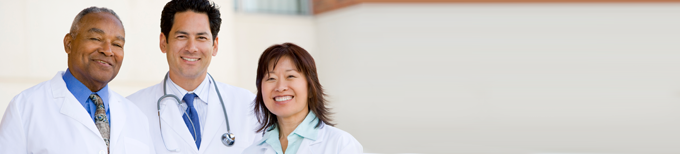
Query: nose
{"x": 191, "y": 46}
{"x": 106, "y": 50}
{"x": 281, "y": 86}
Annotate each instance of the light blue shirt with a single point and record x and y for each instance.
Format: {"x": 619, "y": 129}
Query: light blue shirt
{"x": 82, "y": 94}
{"x": 306, "y": 129}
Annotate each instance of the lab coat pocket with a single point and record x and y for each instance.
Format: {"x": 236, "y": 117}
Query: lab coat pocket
{"x": 134, "y": 146}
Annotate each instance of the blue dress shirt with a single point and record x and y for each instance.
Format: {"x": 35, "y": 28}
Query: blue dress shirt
{"x": 82, "y": 94}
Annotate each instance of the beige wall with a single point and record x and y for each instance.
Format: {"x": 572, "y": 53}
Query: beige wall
{"x": 424, "y": 78}
{"x": 505, "y": 78}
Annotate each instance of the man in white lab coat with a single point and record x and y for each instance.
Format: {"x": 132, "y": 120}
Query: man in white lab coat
{"x": 194, "y": 120}
{"x": 76, "y": 112}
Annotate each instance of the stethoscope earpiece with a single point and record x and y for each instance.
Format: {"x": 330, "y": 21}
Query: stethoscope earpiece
{"x": 228, "y": 139}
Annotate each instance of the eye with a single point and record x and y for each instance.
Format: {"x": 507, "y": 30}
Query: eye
{"x": 95, "y": 39}
{"x": 202, "y": 38}
{"x": 117, "y": 45}
{"x": 291, "y": 76}
{"x": 269, "y": 79}
{"x": 181, "y": 36}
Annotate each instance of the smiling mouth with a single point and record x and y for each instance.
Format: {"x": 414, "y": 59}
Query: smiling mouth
{"x": 191, "y": 59}
{"x": 283, "y": 98}
{"x": 103, "y": 62}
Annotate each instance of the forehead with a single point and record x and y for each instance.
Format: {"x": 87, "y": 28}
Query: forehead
{"x": 191, "y": 21}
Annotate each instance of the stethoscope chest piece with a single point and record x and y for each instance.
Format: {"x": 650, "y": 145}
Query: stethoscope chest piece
{"x": 228, "y": 139}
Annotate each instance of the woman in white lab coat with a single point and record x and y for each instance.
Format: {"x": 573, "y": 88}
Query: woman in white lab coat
{"x": 291, "y": 108}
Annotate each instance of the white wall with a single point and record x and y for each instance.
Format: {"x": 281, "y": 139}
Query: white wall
{"x": 505, "y": 78}
{"x": 424, "y": 78}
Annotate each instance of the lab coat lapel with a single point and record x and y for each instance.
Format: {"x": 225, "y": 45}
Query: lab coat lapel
{"x": 70, "y": 105}
{"x": 118, "y": 117}
{"x": 267, "y": 149}
{"x": 308, "y": 145}
{"x": 215, "y": 120}
{"x": 172, "y": 117}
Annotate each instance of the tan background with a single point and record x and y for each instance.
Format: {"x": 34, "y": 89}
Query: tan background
{"x": 463, "y": 78}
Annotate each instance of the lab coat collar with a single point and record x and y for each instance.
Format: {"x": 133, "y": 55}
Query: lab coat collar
{"x": 215, "y": 117}
{"x": 170, "y": 117}
{"x": 202, "y": 91}
{"x": 82, "y": 93}
{"x": 169, "y": 108}
{"x": 118, "y": 117}
{"x": 69, "y": 104}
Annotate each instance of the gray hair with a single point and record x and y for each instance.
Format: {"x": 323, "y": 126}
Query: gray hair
{"x": 92, "y": 9}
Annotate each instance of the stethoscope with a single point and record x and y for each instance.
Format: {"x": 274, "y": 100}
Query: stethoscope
{"x": 227, "y": 138}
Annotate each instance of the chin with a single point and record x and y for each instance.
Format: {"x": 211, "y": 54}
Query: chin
{"x": 104, "y": 77}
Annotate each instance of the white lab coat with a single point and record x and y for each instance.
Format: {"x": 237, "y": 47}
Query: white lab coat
{"x": 176, "y": 137}
{"x": 47, "y": 118}
{"x": 330, "y": 140}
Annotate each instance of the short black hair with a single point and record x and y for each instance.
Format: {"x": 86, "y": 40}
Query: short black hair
{"x": 199, "y": 6}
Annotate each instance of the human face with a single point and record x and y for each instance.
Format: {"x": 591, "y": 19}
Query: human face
{"x": 95, "y": 54}
{"x": 189, "y": 46}
{"x": 284, "y": 90}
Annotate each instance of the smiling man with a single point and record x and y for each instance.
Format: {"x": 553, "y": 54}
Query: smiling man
{"x": 188, "y": 111}
{"x": 76, "y": 112}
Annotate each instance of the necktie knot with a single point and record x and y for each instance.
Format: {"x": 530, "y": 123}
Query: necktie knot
{"x": 189, "y": 99}
{"x": 96, "y": 99}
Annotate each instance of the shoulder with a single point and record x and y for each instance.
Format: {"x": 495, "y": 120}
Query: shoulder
{"x": 146, "y": 98}
{"x": 144, "y": 93}
{"x": 238, "y": 92}
{"x": 43, "y": 90}
{"x": 330, "y": 132}
{"x": 340, "y": 138}
{"x": 130, "y": 107}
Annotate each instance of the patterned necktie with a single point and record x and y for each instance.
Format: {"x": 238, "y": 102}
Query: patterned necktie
{"x": 100, "y": 118}
{"x": 194, "y": 125}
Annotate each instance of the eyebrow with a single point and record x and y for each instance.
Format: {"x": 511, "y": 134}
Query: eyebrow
{"x": 181, "y": 32}
{"x": 96, "y": 30}
{"x": 121, "y": 38}
{"x": 187, "y": 33}
{"x": 99, "y": 31}
{"x": 288, "y": 70}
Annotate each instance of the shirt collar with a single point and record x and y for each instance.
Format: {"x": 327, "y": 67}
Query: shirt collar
{"x": 201, "y": 91}
{"x": 81, "y": 92}
{"x": 271, "y": 137}
{"x": 306, "y": 129}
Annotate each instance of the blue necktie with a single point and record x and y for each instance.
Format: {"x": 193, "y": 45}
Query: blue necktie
{"x": 193, "y": 115}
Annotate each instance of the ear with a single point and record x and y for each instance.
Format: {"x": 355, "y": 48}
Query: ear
{"x": 67, "y": 43}
{"x": 163, "y": 43}
{"x": 215, "y": 45}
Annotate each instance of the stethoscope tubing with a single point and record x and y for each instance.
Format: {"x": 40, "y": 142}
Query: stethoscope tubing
{"x": 165, "y": 95}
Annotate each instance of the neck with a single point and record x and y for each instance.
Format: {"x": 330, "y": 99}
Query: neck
{"x": 93, "y": 85}
{"x": 187, "y": 83}
{"x": 288, "y": 124}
